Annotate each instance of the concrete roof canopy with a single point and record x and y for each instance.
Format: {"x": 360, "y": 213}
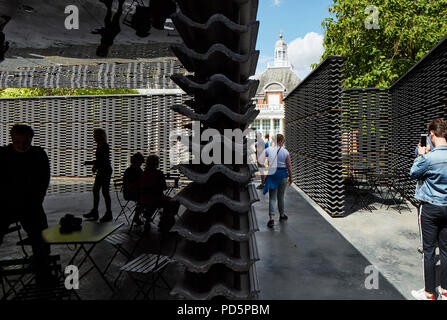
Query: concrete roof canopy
{"x": 38, "y": 37}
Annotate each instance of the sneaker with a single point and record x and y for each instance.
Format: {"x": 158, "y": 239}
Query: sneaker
{"x": 107, "y": 217}
{"x": 420, "y": 295}
{"x": 92, "y": 215}
{"x": 260, "y": 187}
{"x": 442, "y": 296}
{"x": 283, "y": 217}
{"x": 271, "y": 223}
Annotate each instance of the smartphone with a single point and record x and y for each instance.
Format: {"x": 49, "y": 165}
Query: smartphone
{"x": 424, "y": 140}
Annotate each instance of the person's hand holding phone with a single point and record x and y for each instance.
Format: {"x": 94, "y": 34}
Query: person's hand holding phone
{"x": 423, "y": 150}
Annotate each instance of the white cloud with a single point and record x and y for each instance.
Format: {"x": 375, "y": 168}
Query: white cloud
{"x": 303, "y": 52}
{"x": 276, "y": 3}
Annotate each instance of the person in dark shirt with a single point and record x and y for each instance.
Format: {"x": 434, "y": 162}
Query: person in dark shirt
{"x": 132, "y": 176}
{"x": 24, "y": 180}
{"x": 131, "y": 179}
{"x": 103, "y": 170}
{"x": 111, "y": 28}
{"x": 151, "y": 187}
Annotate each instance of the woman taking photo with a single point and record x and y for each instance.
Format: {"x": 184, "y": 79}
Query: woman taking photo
{"x": 279, "y": 173}
{"x": 430, "y": 168}
{"x": 103, "y": 170}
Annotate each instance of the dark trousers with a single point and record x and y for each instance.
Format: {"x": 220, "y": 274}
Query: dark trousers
{"x": 102, "y": 182}
{"x": 433, "y": 224}
{"x": 33, "y": 220}
{"x": 167, "y": 218}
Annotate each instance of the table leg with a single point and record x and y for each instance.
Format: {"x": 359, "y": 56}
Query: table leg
{"x": 87, "y": 254}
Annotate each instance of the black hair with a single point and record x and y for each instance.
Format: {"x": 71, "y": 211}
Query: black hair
{"x": 136, "y": 157}
{"x": 152, "y": 162}
{"x": 22, "y": 129}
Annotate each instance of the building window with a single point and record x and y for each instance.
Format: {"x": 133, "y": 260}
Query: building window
{"x": 277, "y": 126}
{"x": 257, "y": 125}
{"x": 266, "y": 126}
{"x": 274, "y": 99}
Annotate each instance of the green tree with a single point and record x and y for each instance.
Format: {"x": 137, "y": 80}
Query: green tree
{"x": 408, "y": 29}
{"x": 40, "y": 92}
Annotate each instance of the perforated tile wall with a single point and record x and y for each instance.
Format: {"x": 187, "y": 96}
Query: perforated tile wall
{"x": 64, "y": 127}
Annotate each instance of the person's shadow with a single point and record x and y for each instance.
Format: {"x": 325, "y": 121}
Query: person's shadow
{"x": 111, "y": 28}
{"x": 4, "y": 45}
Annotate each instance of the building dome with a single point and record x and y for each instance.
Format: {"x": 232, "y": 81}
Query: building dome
{"x": 280, "y": 43}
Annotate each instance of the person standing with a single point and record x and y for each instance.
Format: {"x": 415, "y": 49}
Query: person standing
{"x": 267, "y": 141}
{"x": 24, "y": 180}
{"x": 260, "y": 147}
{"x": 279, "y": 173}
{"x": 430, "y": 168}
{"x": 103, "y": 170}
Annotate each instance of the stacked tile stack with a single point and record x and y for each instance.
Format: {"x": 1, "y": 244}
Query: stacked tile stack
{"x": 217, "y": 231}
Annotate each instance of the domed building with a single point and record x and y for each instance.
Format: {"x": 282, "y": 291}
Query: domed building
{"x": 275, "y": 84}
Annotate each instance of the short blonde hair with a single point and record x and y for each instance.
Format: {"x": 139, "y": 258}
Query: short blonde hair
{"x": 101, "y": 133}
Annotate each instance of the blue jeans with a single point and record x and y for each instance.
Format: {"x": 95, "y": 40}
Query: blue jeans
{"x": 277, "y": 195}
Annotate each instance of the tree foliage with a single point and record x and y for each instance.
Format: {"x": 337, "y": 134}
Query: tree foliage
{"x": 408, "y": 29}
{"x": 39, "y": 92}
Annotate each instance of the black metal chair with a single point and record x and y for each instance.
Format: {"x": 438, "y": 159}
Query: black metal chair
{"x": 127, "y": 207}
{"x": 153, "y": 264}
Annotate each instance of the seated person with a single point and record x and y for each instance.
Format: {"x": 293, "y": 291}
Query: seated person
{"x": 151, "y": 196}
{"x": 132, "y": 176}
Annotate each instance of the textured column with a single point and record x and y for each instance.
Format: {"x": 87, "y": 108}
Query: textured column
{"x": 217, "y": 245}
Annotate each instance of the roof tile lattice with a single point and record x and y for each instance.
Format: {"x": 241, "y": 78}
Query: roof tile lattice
{"x": 218, "y": 246}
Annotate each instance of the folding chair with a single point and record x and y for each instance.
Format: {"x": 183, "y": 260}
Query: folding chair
{"x": 15, "y": 271}
{"x": 125, "y": 205}
{"x": 398, "y": 197}
{"x": 154, "y": 264}
{"x": 361, "y": 189}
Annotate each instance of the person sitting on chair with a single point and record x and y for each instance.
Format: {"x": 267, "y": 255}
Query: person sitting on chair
{"x": 111, "y": 28}
{"x": 151, "y": 196}
{"x": 131, "y": 179}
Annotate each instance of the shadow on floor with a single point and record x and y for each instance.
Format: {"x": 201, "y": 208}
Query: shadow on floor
{"x": 307, "y": 258}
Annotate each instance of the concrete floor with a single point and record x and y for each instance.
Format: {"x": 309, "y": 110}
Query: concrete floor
{"x": 311, "y": 256}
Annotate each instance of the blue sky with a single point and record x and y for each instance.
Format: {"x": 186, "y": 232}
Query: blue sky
{"x": 301, "y": 22}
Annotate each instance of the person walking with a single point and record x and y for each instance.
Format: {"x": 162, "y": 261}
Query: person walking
{"x": 267, "y": 141}
{"x": 260, "y": 147}
{"x": 103, "y": 170}
{"x": 279, "y": 173}
{"x": 430, "y": 168}
{"x": 111, "y": 28}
